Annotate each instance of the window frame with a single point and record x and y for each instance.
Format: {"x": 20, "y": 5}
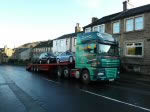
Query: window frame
{"x": 113, "y": 27}
{"x": 135, "y": 23}
{"x": 134, "y": 17}
{"x": 99, "y": 28}
{"x": 89, "y": 29}
{"x": 75, "y": 41}
{"x": 126, "y": 25}
{"x": 96, "y": 27}
{"x": 136, "y": 56}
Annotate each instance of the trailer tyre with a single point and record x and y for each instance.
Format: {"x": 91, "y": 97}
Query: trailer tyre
{"x": 40, "y": 62}
{"x": 66, "y": 72}
{"x": 71, "y": 59}
{"x": 37, "y": 69}
{"x": 85, "y": 77}
{"x": 59, "y": 72}
{"x": 48, "y": 61}
{"x": 34, "y": 68}
{"x": 58, "y": 60}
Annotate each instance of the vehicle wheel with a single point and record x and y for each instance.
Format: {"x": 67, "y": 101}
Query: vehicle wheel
{"x": 71, "y": 59}
{"x": 59, "y": 72}
{"x": 58, "y": 60}
{"x": 34, "y": 68}
{"x": 37, "y": 69}
{"x": 66, "y": 72}
{"x": 85, "y": 77}
{"x": 48, "y": 61}
{"x": 40, "y": 62}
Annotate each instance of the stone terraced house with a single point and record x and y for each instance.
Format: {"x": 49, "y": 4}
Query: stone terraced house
{"x": 131, "y": 27}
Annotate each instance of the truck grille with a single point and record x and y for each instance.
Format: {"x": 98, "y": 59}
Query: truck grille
{"x": 110, "y": 63}
{"x": 111, "y": 72}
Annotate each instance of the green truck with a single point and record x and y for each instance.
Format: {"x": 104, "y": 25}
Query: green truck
{"x": 97, "y": 57}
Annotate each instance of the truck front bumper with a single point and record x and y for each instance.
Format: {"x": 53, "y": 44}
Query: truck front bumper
{"x": 105, "y": 74}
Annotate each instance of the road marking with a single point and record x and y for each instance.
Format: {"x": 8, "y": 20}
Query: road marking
{"x": 116, "y": 100}
{"x": 52, "y": 81}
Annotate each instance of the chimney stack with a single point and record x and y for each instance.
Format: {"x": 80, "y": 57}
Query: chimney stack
{"x": 77, "y": 28}
{"x": 124, "y": 5}
{"x": 94, "y": 19}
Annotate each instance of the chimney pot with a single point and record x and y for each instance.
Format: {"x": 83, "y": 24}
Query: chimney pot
{"x": 124, "y": 5}
{"x": 94, "y": 19}
{"x": 77, "y": 28}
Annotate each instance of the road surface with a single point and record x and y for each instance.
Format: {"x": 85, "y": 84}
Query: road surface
{"x": 23, "y": 91}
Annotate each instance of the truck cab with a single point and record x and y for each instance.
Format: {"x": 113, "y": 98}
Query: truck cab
{"x": 97, "y": 57}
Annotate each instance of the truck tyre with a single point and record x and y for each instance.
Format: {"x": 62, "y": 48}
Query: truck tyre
{"x": 59, "y": 72}
{"x": 85, "y": 77}
{"x": 40, "y": 62}
{"x": 71, "y": 59}
{"x": 66, "y": 72}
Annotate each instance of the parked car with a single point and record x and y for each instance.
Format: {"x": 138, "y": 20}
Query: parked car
{"x": 47, "y": 58}
{"x": 66, "y": 57}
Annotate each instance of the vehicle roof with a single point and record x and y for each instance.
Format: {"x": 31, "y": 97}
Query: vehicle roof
{"x": 95, "y": 36}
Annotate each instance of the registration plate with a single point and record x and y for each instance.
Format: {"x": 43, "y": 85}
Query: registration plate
{"x": 111, "y": 79}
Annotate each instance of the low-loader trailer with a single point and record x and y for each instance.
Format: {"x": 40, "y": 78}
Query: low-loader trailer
{"x": 96, "y": 58}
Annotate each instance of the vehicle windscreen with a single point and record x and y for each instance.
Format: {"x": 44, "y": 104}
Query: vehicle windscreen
{"x": 108, "y": 50}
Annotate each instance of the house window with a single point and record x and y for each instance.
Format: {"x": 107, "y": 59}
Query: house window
{"x": 56, "y": 42}
{"x": 139, "y": 23}
{"x": 116, "y": 27}
{"x": 129, "y": 25}
{"x": 101, "y": 28}
{"x": 134, "y": 49}
{"x": 95, "y": 28}
{"x": 87, "y": 30}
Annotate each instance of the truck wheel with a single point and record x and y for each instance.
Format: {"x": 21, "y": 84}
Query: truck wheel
{"x": 40, "y": 62}
{"x": 71, "y": 59}
{"x": 59, "y": 72}
{"x": 66, "y": 72}
{"x": 85, "y": 77}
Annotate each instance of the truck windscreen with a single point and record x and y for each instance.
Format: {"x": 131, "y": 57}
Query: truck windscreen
{"x": 108, "y": 50}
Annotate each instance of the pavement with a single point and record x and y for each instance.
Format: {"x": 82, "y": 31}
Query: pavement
{"x": 132, "y": 77}
{"x": 23, "y": 91}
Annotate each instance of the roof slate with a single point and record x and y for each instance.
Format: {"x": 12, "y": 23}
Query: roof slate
{"x": 67, "y": 36}
{"x": 121, "y": 15}
{"x": 48, "y": 43}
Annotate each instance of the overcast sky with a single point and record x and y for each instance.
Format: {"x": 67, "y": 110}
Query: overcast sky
{"x": 23, "y": 21}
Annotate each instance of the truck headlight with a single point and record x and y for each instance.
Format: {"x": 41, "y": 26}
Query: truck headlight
{"x": 100, "y": 74}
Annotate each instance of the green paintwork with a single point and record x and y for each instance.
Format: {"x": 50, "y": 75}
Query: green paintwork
{"x": 88, "y": 58}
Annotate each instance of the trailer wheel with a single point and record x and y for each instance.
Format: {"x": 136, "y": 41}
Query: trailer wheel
{"x": 31, "y": 68}
{"x": 58, "y": 60}
{"x": 48, "y": 61}
{"x": 66, "y": 72}
{"x": 34, "y": 68}
{"x": 40, "y": 62}
{"x": 85, "y": 77}
{"x": 71, "y": 59}
{"x": 59, "y": 72}
{"x": 37, "y": 69}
